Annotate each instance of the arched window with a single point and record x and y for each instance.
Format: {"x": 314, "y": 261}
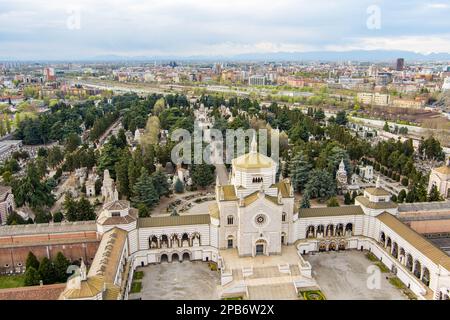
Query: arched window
{"x": 230, "y": 220}
{"x": 283, "y": 217}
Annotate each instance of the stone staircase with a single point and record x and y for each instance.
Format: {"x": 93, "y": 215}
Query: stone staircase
{"x": 282, "y": 291}
{"x": 265, "y": 283}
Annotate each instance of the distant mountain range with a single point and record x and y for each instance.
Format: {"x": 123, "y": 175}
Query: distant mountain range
{"x": 353, "y": 55}
{"x": 338, "y": 56}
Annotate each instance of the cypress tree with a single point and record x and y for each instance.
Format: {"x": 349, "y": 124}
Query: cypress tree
{"x": 299, "y": 169}
{"x": 145, "y": 191}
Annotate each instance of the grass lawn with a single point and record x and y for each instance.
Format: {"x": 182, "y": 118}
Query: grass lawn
{"x": 233, "y": 298}
{"x": 14, "y": 281}
{"x": 136, "y": 287}
{"x": 382, "y": 267}
{"x": 138, "y": 275}
{"x": 396, "y": 282}
{"x": 371, "y": 256}
{"x": 312, "y": 295}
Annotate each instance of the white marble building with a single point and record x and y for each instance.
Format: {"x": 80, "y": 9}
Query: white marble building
{"x": 256, "y": 215}
{"x": 440, "y": 177}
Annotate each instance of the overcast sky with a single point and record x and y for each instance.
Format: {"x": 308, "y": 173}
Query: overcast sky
{"x": 53, "y": 29}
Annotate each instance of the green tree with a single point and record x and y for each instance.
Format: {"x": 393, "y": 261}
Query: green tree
{"x": 14, "y": 218}
{"x": 61, "y": 264}
{"x": 32, "y": 261}
{"x": 144, "y": 191}
{"x": 321, "y": 185}
{"x": 434, "y": 194}
{"x": 305, "y": 201}
{"x": 55, "y": 156}
{"x": 143, "y": 210}
{"x": 42, "y": 216}
{"x": 319, "y": 115}
{"x": 347, "y": 198}
{"x": 47, "y": 271}
{"x": 401, "y": 196}
{"x": 80, "y": 210}
{"x": 85, "y": 210}
{"x": 299, "y": 169}
{"x": 333, "y": 202}
{"x": 202, "y": 175}
{"x": 58, "y": 217}
{"x": 160, "y": 181}
{"x": 341, "y": 118}
{"x": 179, "y": 186}
{"x": 121, "y": 168}
{"x": 32, "y": 277}
{"x": 70, "y": 207}
{"x": 31, "y": 190}
{"x": 72, "y": 142}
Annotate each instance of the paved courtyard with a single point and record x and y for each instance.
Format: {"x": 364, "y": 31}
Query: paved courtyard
{"x": 344, "y": 276}
{"x": 179, "y": 281}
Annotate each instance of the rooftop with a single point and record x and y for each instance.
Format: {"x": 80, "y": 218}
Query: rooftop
{"x": 47, "y": 292}
{"x": 174, "y": 220}
{"x": 443, "y": 170}
{"x": 253, "y": 161}
{"x": 424, "y": 206}
{"x": 46, "y": 228}
{"x": 379, "y": 192}
{"x": 4, "y": 191}
{"x": 229, "y": 193}
{"x": 330, "y": 211}
{"x": 416, "y": 240}
{"x": 376, "y": 205}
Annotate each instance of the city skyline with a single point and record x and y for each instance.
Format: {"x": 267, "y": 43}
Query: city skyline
{"x": 83, "y": 30}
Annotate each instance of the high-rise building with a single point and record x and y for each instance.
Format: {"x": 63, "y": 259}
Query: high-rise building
{"x": 257, "y": 80}
{"x": 400, "y": 64}
{"x": 49, "y": 74}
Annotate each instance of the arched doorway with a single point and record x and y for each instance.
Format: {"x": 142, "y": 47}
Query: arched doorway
{"x": 153, "y": 242}
{"x": 332, "y": 246}
{"x": 401, "y": 256}
{"x": 310, "y": 232}
{"x": 196, "y": 239}
{"x": 349, "y": 229}
{"x": 388, "y": 244}
{"x": 417, "y": 269}
{"x": 395, "y": 250}
{"x": 175, "y": 257}
{"x": 340, "y": 230}
{"x": 186, "y": 256}
{"x": 382, "y": 239}
{"x": 322, "y": 247}
{"x": 283, "y": 238}
{"x": 260, "y": 247}
{"x": 426, "y": 276}
{"x": 164, "y": 258}
{"x": 409, "y": 262}
{"x": 320, "y": 231}
{"x": 175, "y": 241}
{"x": 164, "y": 241}
{"x": 330, "y": 230}
{"x": 185, "y": 240}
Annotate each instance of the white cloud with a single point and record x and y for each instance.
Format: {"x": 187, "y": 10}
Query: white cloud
{"x": 225, "y": 27}
{"x": 419, "y": 44}
{"x": 438, "y": 5}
